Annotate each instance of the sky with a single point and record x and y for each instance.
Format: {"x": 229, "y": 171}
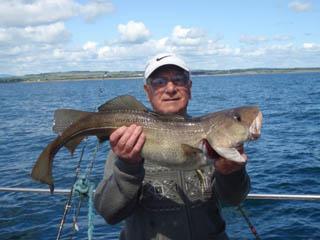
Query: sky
{"x": 38, "y": 36}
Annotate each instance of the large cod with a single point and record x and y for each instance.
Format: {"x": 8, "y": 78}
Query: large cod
{"x": 172, "y": 141}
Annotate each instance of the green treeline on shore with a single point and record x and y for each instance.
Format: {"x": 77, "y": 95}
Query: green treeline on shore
{"x": 104, "y": 75}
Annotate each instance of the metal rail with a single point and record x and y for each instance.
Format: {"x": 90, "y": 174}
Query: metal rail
{"x": 35, "y": 190}
{"x": 284, "y": 196}
{"x": 309, "y": 197}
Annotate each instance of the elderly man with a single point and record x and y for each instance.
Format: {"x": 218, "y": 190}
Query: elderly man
{"x": 158, "y": 202}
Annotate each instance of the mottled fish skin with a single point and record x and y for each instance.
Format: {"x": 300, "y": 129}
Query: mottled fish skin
{"x": 171, "y": 141}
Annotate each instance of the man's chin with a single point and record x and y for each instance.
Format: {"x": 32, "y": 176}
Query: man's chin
{"x": 171, "y": 107}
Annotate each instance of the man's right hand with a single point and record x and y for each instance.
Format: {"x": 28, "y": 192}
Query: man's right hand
{"x": 127, "y": 143}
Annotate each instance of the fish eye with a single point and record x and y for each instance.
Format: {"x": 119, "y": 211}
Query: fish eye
{"x": 237, "y": 117}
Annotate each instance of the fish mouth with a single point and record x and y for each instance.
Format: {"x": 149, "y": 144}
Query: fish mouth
{"x": 208, "y": 150}
{"x": 255, "y": 127}
{"x": 240, "y": 148}
{"x": 212, "y": 154}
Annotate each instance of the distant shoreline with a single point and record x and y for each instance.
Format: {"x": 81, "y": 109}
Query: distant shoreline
{"x": 104, "y": 75}
{"x": 79, "y": 80}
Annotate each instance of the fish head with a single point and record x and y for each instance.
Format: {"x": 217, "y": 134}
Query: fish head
{"x": 230, "y": 129}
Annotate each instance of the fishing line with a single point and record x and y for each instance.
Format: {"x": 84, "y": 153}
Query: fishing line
{"x": 68, "y": 203}
{"x": 246, "y": 218}
{"x": 250, "y": 225}
{"x": 76, "y": 212}
{"x": 94, "y": 155}
{"x": 84, "y": 188}
{"x": 101, "y": 89}
{"x": 85, "y": 192}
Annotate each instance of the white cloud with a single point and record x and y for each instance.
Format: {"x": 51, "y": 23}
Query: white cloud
{"x": 4, "y": 36}
{"x": 260, "y": 39}
{"x": 48, "y": 33}
{"x": 44, "y": 49}
{"x": 121, "y": 51}
{"x": 281, "y": 37}
{"x": 21, "y": 13}
{"x": 58, "y": 53}
{"x": 133, "y": 32}
{"x": 15, "y": 51}
{"x": 250, "y": 39}
{"x": 90, "y": 46}
{"x": 95, "y": 8}
{"x": 104, "y": 52}
{"x": 181, "y": 32}
{"x": 311, "y": 46}
{"x": 298, "y": 6}
{"x": 52, "y": 33}
{"x": 283, "y": 47}
{"x": 187, "y": 36}
{"x": 33, "y": 36}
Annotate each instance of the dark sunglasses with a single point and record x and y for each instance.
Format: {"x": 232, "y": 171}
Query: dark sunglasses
{"x": 178, "y": 80}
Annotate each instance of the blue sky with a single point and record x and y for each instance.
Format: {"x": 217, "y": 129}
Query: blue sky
{"x": 63, "y": 35}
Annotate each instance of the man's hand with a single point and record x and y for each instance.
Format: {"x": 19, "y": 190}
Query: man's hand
{"x": 225, "y": 166}
{"x": 127, "y": 143}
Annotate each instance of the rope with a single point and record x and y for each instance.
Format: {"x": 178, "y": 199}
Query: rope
{"x": 90, "y": 213}
{"x": 85, "y": 189}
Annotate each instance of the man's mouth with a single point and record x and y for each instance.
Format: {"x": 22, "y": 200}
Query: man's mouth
{"x": 171, "y": 99}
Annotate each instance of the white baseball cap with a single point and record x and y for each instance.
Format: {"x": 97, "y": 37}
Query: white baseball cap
{"x": 161, "y": 60}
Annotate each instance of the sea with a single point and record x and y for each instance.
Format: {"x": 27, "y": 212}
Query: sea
{"x": 285, "y": 160}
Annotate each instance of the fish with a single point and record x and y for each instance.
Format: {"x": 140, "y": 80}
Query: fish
{"x": 173, "y": 141}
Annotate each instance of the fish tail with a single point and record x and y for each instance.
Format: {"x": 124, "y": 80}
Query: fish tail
{"x": 42, "y": 170}
{"x": 51, "y": 187}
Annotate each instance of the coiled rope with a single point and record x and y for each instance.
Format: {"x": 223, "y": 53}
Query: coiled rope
{"x": 85, "y": 188}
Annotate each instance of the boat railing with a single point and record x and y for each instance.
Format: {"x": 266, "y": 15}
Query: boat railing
{"x": 261, "y": 196}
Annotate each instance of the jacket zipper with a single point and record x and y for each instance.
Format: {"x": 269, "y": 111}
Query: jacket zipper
{"x": 187, "y": 205}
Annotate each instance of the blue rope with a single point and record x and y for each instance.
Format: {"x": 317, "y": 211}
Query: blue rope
{"x": 90, "y": 213}
{"x": 85, "y": 189}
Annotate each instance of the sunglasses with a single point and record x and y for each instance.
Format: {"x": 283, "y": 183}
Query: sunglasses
{"x": 178, "y": 80}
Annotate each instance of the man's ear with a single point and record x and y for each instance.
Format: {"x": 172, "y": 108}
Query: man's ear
{"x": 190, "y": 85}
{"x": 147, "y": 90}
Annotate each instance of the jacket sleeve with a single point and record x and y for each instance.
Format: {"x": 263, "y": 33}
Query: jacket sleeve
{"x": 233, "y": 188}
{"x": 117, "y": 194}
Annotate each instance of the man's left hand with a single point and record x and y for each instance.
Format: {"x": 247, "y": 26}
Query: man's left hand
{"x": 225, "y": 166}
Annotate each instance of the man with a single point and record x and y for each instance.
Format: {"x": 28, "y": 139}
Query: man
{"x": 158, "y": 202}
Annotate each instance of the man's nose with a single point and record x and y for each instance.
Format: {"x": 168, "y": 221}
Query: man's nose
{"x": 171, "y": 87}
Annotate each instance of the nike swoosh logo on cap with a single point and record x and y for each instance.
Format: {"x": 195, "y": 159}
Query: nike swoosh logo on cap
{"x": 158, "y": 59}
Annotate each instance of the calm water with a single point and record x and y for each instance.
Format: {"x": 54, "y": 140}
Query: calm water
{"x": 285, "y": 160}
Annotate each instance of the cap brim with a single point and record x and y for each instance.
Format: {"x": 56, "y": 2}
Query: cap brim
{"x": 163, "y": 61}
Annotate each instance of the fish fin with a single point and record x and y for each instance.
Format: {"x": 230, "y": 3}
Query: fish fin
{"x": 124, "y": 102}
{"x": 72, "y": 144}
{"x": 230, "y": 154}
{"x": 63, "y": 118}
{"x": 190, "y": 150}
{"x": 104, "y": 136}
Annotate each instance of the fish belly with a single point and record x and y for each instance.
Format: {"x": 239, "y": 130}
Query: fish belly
{"x": 165, "y": 148}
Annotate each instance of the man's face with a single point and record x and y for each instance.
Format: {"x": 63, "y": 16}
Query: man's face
{"x": 169, "y": 90}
